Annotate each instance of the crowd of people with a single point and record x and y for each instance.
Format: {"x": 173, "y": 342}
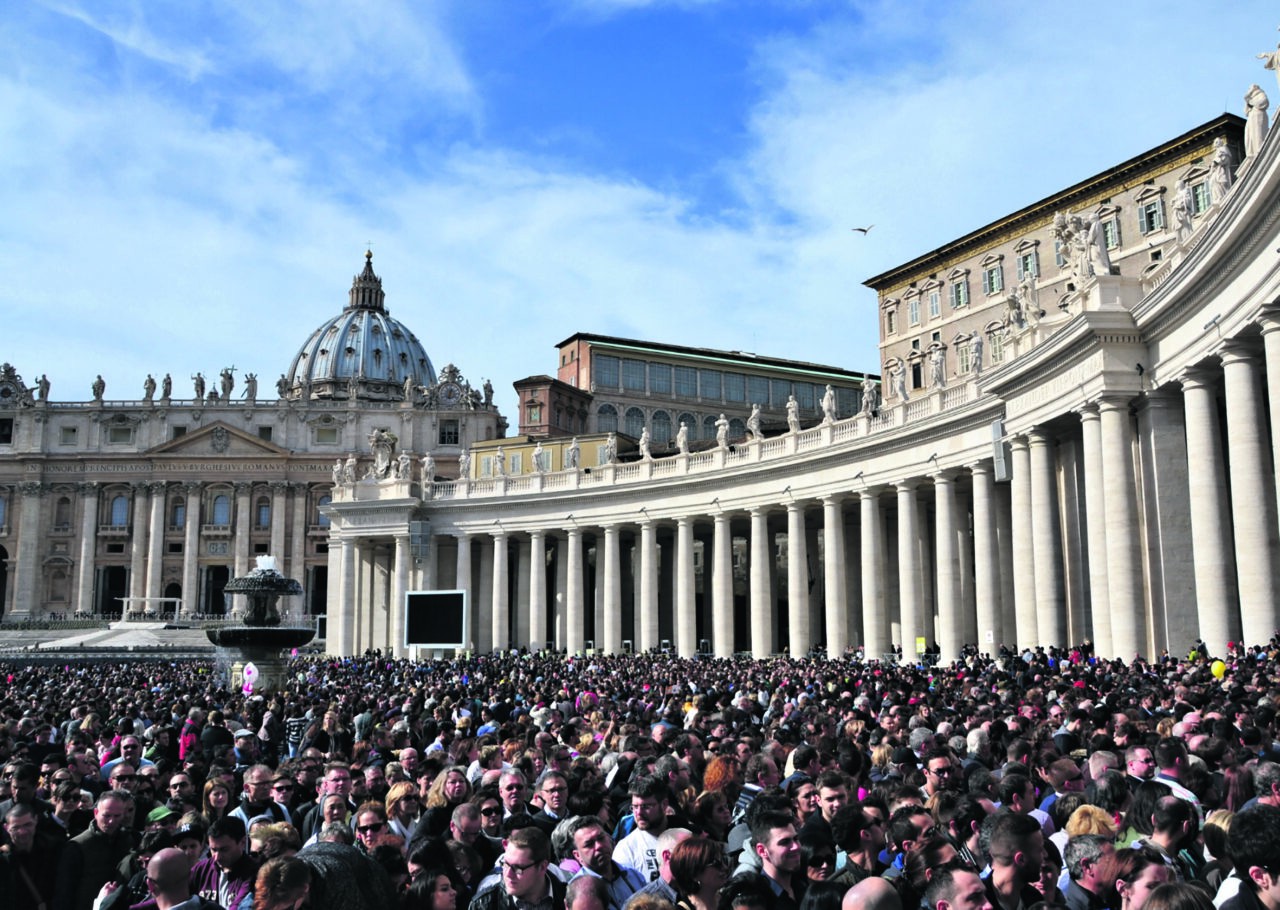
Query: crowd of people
{"x": 1046, "y": 779}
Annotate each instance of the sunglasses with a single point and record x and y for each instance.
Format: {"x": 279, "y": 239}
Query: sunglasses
{"x": 490, "y": 813}
{"x": 369, "y": 829}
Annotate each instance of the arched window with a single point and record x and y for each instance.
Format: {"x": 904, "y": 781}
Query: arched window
{"x": 62, "y": 514}
{"x": 222, "y": 510}
{"x": 635, "y": 422}
{"x": 607, "y": 419}
{"x": 4, "y": 508}
{"x": 120, "y": 511}
{"x": 709, "y": 427}
{"x": 661, "y": 426}
{"x": 178, "y": 513}
{"x": 737, "y": 428}
{"x": 59, "y": 586}
{"x": 690, "y": 421}
{"x": 263, "y": 512}
{"x": 323, "y": 520}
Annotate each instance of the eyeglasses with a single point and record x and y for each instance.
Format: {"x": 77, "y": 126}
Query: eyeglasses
{"x": 125, "y": 777}
{"x": 369, "y": 829}
{"x": 555, "y": 789}
{"x": 940, "y": 772}
{"x": 515, "y": 868}
{"x": 814, "y": 863}
{"x": 490, "y": 812}
{"x": 282, "y": 787}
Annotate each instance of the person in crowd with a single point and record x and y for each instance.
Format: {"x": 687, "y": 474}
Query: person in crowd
{"x": 699, "y": 870}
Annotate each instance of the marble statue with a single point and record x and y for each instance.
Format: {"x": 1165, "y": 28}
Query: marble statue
{"x": 464, "y": 464}
{"x": 282, "y": 385}
{"x": 408, "y": 388}
{"x": 353, "y": 386}
{"x": 539, "y": 458}
{"x": 1013, "y": 311}
{"x": 573, "y": 456}
{"x": 1272, "y": 62}
{"x": 1220, "y": 175}
{"x": 250, "y": 386}
{"x": 500, "y": 463}
{"x": 404, "y": 467}
{"x": 829, "y": 405}
{"x": 1256, "y": 122}
{"x": 198, "y": 382}
{"x": 99, "y": 387}
{"x": 227, "y": 382}
{"x": 488, "y": 394}
{"x": 42, "y": 387}
{"x": 722, "y": 432}
{"x": 382, "y": 442}
{"x": 899, "y": 374}
{"x": 611, "y": 449}
{"x": 868, "y": 400}
{"x": 976, "y": 344}
{"x": 337, "y": 471}
{"x": 645, "y": 454}
{"x": 1183, "y": 211}
{"x": 428, "y": 469}
{"x": 793, "y": 414}
{"x": 148, "y": 388}
{"x": 938, "y": 369}
{"x": 1068, "y": 242}
{"x": 166, "y": 387}
{"x": 753, "y": 422}
{"x": 1096, "y": 245}
{"x": 682, "y": 438}
{"x": 1029, "y": 301}
{"x": 349, "y": 469}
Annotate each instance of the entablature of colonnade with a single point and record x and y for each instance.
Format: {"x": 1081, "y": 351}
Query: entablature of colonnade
{"x": 372, "y": 518}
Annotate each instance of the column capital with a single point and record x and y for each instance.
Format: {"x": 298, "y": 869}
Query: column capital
{"x": 462, "y": 535}
{"x": 1088, "y": 411}
{"x": 88, "y": 487}
{"x": 500, "y": 534}
{"x": 32, "y": 488}
{"x": 1038, "y": 436}
{"x": 944, "y": 477}
{"x": 759, "y": 511}
{"x": 983, "y": 466}
{"x": 1115, "y": 401}
{"x": 1019, "y": 441}
{"x": 1240, "y": 350}
{"x": 193, "y": 487}
{"x": 794, "y": 506}
{"x": 832, "y": 498}
{"x": 1269, "y": 318}
{"x": 279, "y": 486}
{"x": 139, "y": 486}
{"x": 869, "y": 493}
{"x": 537, "y": 535}
{"x": 1163, "y": 397}
{"x": 1200, "y": 377}
{"x": 243, "y": 487}
{"x": 906, "y": 486}
{"x": 158, "y": 487}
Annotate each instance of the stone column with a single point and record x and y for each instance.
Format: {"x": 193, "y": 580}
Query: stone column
{"x": 1270, "y": 320}
{"x": 1096, "y": 533}
{"x": 797, "y": 583}
{"x": 1251, "y": 494}
{"x": 26, "y": 594}
{"x": 559, "y": 639}
{"x": 612, "y": 632}
{"x": 89, "y": 547}
{"x": 155, "y": 543}
{"x": 346, "y": 618}
{"x": 1024, "y": 567}
{"x": 686, "y": 603}
{"x": 874, "y": 603}
{"x": 1051, "y": 601}
{"x": 908, "y": 569}
{"x": 500, "y": 623}
{"x": 1128, "y": 632}
{"x": 462, "y": 581}
{"x": 986, "y": 562}
{"x": 279, "y": 490}
{"x": 648, "y": 586}
{"x": 523, "y": 576}
{"x": 951, "y": 620}
{"x": 243, "y": 528}
{"x": 722, "y": 588}
{"x": 298, "y": 546}
{"x": 835, "y": 577}
{"x": 399, "y": 587}
{"x": 537, "y": 591}
{"x": 138, "y": 544}
{"x": 761, "y": 602}
{"x": 575, "y": 641}
{"x": 1008, "y": 629}
{"x": 484, "y": 597}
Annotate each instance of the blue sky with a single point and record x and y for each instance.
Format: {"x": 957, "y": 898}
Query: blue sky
{"x": 190, "y": 185}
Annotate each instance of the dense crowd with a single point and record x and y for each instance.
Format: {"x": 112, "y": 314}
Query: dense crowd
{"x": 539, "y": 782}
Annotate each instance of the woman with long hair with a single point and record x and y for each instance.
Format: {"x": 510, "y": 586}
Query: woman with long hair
{"x": 1128, "y": 876}
{"x": 403, "y": 808}
{"x": 217, "y": 801}
{"x": 449, "y": 790}
{"x": 712, "y": 814}
{"x": 1179, "y": 896}
{"x": 698, "y": 869}
{"x": 803, "y": 794}
{"x": 724, "y": 774}
{"x": 1137, "y": 821}
{"x": 432, "y": 889}
{"x": 283, "y": 884}
{"x": 1237, "y": 787}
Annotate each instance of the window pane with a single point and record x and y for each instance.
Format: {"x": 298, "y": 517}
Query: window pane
{"x": 323, "y": 520}
{"x": 120, "y": 511}
{"x": 660, "y": 378}
{"x": 607, "y": 419}
{"x": 737, "y": 428}
{"x": 222, "y": 510}
{"x": 735, "y": 387}
{"x": 635, "y": 422}
{"x": 709, "y": 383}
{"x": 633, "y": 375}
{"x": 661, "y": 426}
{"x": 179, "y": 514}
{"x": 781, "y": 392}
{"x": 605, "y": 371}
{"x": 758, "y": 390}
{"x": 804, "y": 395}
{"x": 708, "y": 427}
{"x": 686, "y": 381}
{"x": 847, "y": 402}
{"x": 264, "y": 513}
{"x": 686, "y": 418}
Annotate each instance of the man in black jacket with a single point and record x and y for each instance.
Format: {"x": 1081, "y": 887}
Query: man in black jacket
{"x": 525, "y": 882}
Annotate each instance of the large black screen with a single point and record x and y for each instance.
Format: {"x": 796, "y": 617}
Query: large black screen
{"x": 435, "y": 619}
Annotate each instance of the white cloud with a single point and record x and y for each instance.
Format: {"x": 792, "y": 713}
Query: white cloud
{"x": 127, "y": 29}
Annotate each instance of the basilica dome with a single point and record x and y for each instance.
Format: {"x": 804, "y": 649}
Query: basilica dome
{"x": 360, "y": 353}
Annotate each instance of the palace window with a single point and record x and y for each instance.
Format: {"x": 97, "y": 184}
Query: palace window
{"x": 607, "y": 419}
{"x": 1200, "y": 201}
{"x": 964, "y": 362}
{"x": 263, "y": 512}
{"x": 1151, "y": 216}
{"x": 120, "y": 511}
{"x": 995, "y": 345}
{"x": 737, "y": 428}
{"x": 1059, "y": 258}
{"x": 805, "y": 396}
{"x": 1111, "y": 232}
{"x": 4, "y": 503}
{"x": 119, "y": 435}
{"x": 449, "y": 435}
{"x": 322, "y": 519}
{"x": 633, "y": 374}
{"x": 735, "y": 387}
{"x": 891, "y": 322}
{"x": 222, "y": 510}
{"x": 660, "y": 378}
{"x": 959, "y": 293}
{"x": 264, "y": 433}
{"x": 661, "y": 426}
{"x": 1029, "y": 265}
{"x": 178, "y": 513}
{"x": 635, "y": 422}
{"x": 992, "y": 279}
{"x": 533, "y": 413}
{"x": 935, "y": 303}
{"x": 327, "y": 435}
{"x": 708, "y": 427}
{"x": 686, "y": 418}
{"x": 913, "y": 311}
{"x": 6, "y": 431}
{"x": 686, "y": 382}
{"x": 67, "y": 436}
{"x": 62, "y": 514}
{"x": 758, "y": 390}
{"x": 605, "y": 371}
{"x": 709, "y": 384}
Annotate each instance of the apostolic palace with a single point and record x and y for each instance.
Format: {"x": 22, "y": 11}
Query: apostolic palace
{"x": 1073, "y": 434}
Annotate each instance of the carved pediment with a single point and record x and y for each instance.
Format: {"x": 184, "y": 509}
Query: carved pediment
{"x": 1148, "y": 193}
{"x": 991, "y": 259}
{"x": 218, "y": 438}
{"x": 958, "y": 274}
{"x": 1026, "y": 245}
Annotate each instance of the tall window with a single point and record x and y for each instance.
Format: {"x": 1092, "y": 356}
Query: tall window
{"x": 709, "y": 384}
{"x": 633, "y": 375}
{"x": 449, "y": 433}
{"x": 62, "y": 514}
{"x": 708, "y": 427}
{"x": 963, "y": 361}
{"x": 4, "y": 503}
{"x": 913, "y": 311}
{"x": 1111, "y": 232}
{"x": 263, "y": 512}
{"x": 1151, "y": 216}
{"x": 687, "y": 382}
{"x": 607, "y": 419}
{"x": 935, "y": 303}
{"x": 1029, "y": 265}
{"x": 660, "y": 378}
{"x": 781, "y": 392}
{"x": 1200, "y": 198}
{"x": 686, "y": 418}
{"x": 120, "y": 511}
{"x": 605, "y": 371}
{"x": 737, "y": 428}
{"x": 804, "y": 395}
{"x": 995, "y": 345}
{"x": 635, "y": 422}
{"x": 758, "y": 390}
{"x": 178, "y": 513}
{"x": 993, "y": 279}
{"x": 222, "y": 510}
{"x": 959, "y": 293}
{"x": 661, "y": 426}
{"x": 891, "y": 322}
{"x": 735, "y": 387}
{"x": 322, "y": 519}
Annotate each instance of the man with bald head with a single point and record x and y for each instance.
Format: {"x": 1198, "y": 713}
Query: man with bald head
{"x": 168, "y": 880}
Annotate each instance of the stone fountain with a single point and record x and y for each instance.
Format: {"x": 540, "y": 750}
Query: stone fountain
{"x": 261, "y": 637}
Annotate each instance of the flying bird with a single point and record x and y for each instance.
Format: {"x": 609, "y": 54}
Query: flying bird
{"x": 865, "y": 229}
